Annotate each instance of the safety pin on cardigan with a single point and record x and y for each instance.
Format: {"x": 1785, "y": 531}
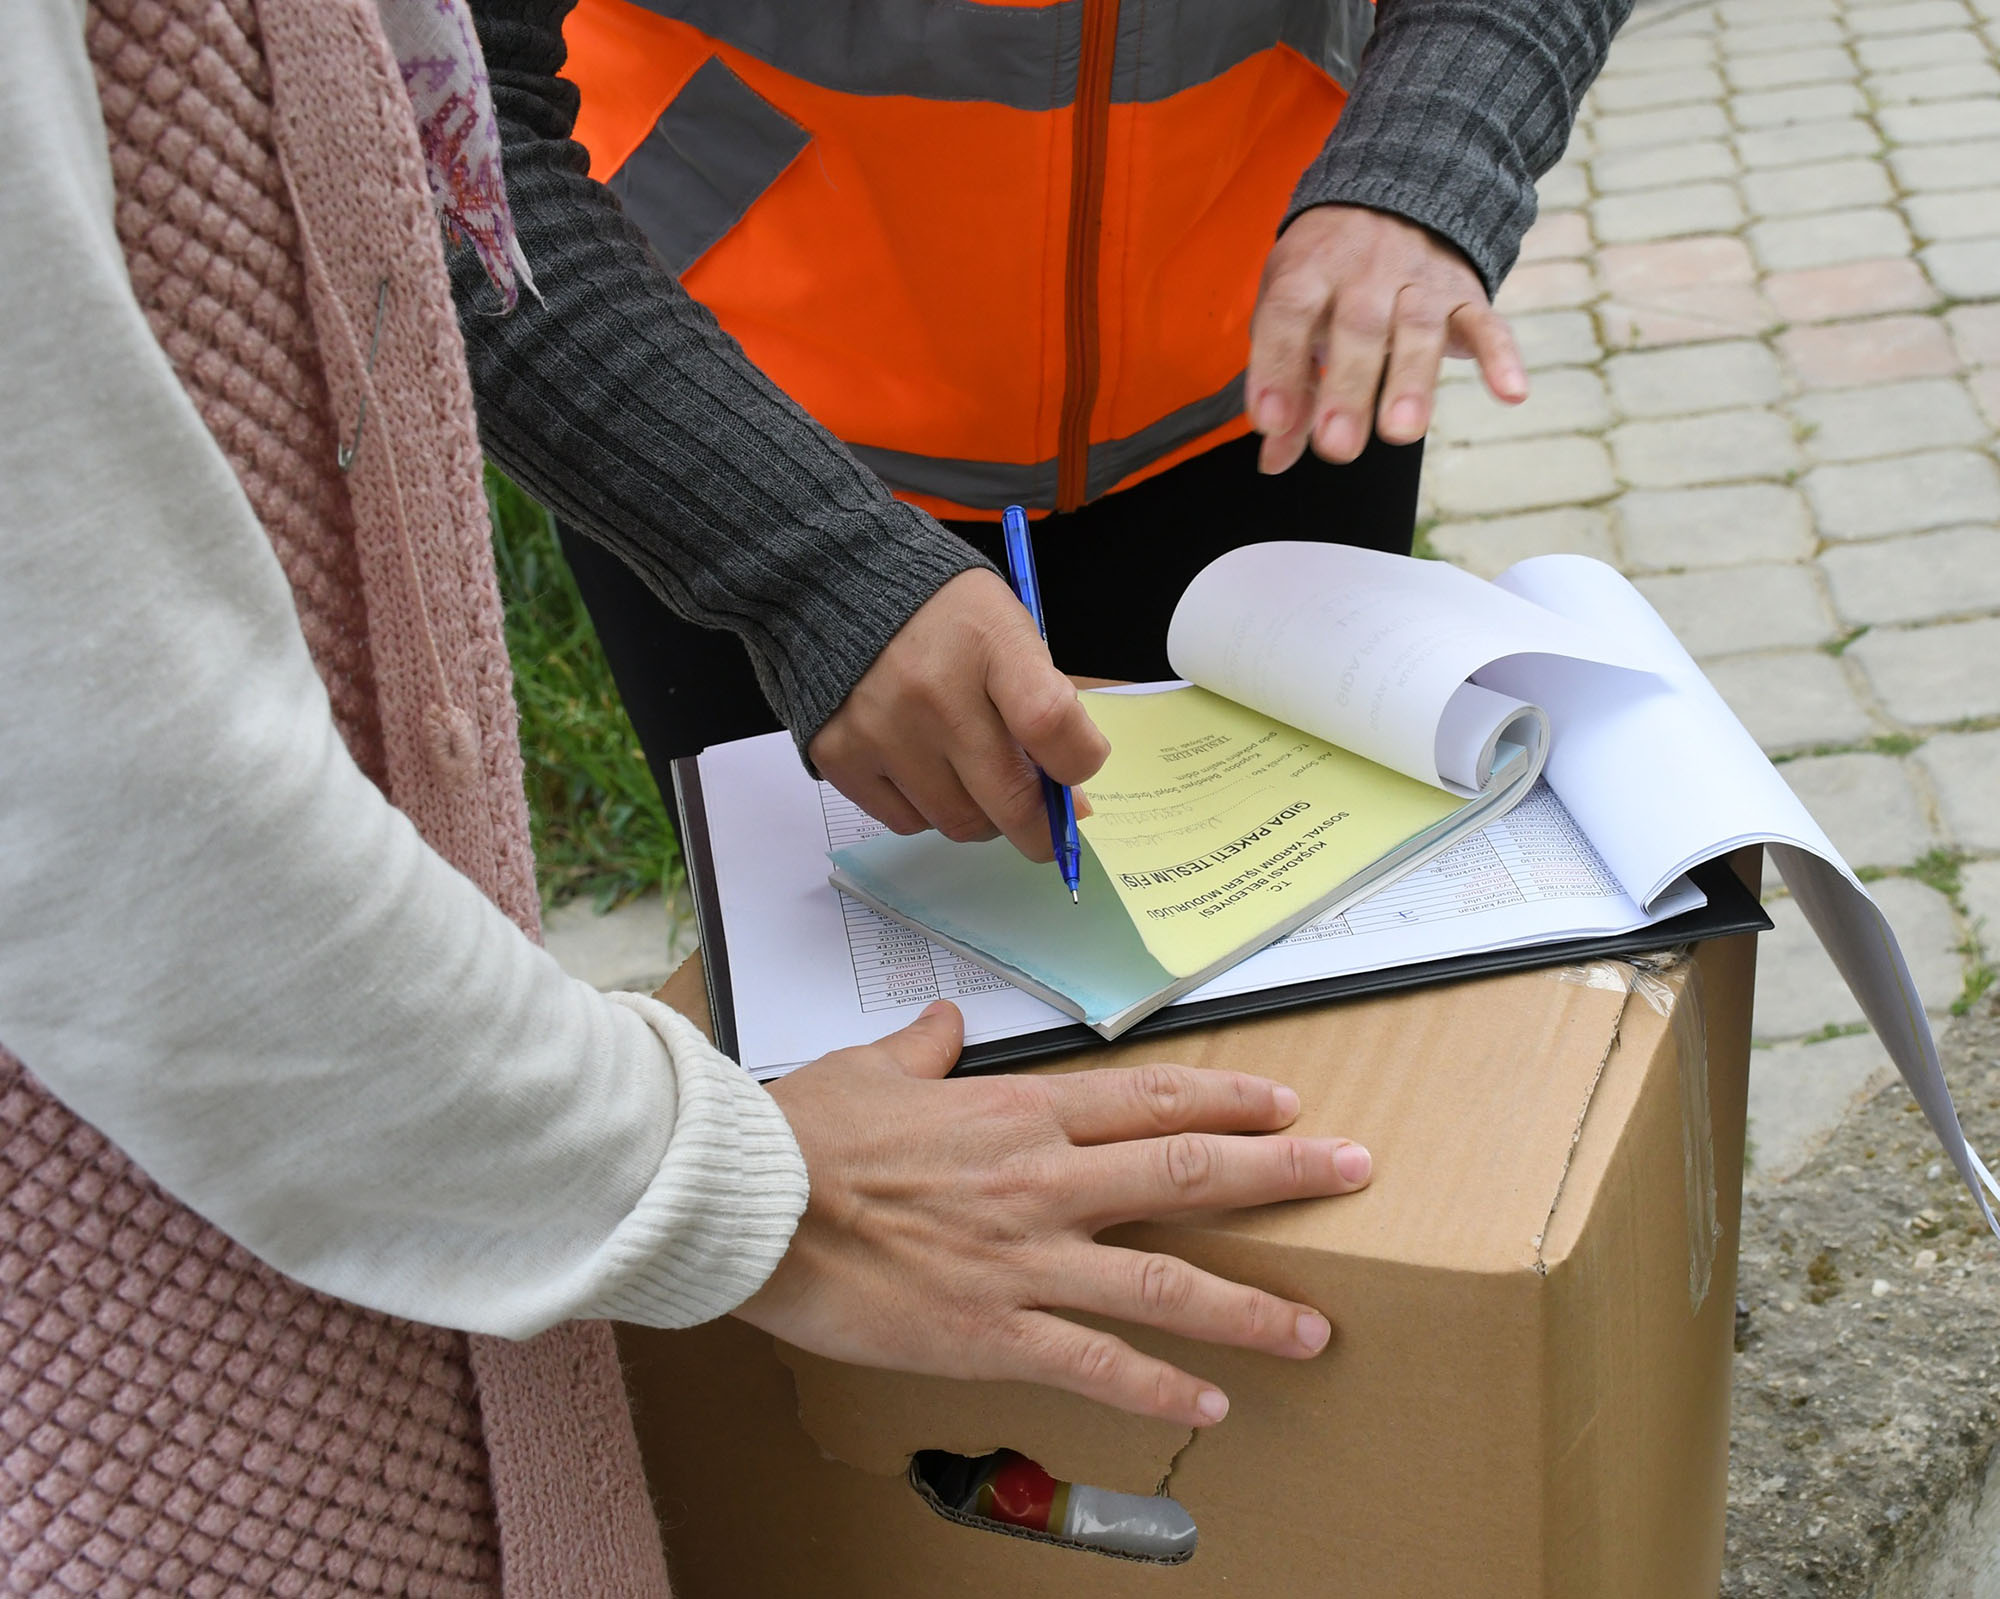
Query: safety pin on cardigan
{"x": 344, "y": 454}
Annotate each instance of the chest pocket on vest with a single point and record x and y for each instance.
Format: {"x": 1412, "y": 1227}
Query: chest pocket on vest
{"x": 718, "y": 146}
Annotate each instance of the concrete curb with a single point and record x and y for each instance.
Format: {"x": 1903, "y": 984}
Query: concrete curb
{"x": 1867, "y": 1392}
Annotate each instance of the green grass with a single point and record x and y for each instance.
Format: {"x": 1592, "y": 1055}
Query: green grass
{"x": 600, "y": 828}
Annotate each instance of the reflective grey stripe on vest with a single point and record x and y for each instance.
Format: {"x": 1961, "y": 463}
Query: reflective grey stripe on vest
{"x": 1022, "y": 55}
{"x": 994, "y": 485}
{"x": 717, "y": 147}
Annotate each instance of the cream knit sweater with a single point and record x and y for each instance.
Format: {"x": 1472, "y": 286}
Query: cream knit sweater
{"x": 219, "y": 942}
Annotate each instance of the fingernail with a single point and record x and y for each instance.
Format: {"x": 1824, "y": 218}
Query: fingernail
{"x": 1406, "y": 414}
{"x": 1314, "y": 1330}
{"x": 1514, "y": 383}
{"x": 1269, "y": 413}
{"x": 939, "y": 1006}
{"x": 1211, "y": 1404}
{"x": 1353, "y": 1163}
{"x": 1287, "y": 1101}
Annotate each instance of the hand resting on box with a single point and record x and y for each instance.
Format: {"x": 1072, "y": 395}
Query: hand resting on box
{"x": 950, "y": 1220}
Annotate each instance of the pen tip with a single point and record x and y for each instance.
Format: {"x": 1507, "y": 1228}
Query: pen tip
{"x": 1073, "y": 899}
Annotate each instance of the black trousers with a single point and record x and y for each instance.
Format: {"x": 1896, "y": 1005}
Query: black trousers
{"x": 1110, "y": 575}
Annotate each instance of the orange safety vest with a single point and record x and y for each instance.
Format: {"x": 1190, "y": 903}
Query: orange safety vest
{"x": 1006, "y": 249}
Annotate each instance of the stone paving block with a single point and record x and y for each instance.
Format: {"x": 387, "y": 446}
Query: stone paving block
{"x": 1961, "y": 80}
{"x": 1867, "y": 804}
{"x": 1930, "y": 936}
{"x": 1798, "y": 989}
{"x": 1888, "y": 419}
{"x": 1821, "y": 186}
{"x": 1546, "y": 286}
{"x": 1921, "y": 16}
{"x": 1557, "y": 236}
{"x": 1482, "y": 479}
{"x": 1810, "y": 34}
{"x": 1726, "y": 525}
{"x": 1975, "y": 330}
{"x": 1929, "y": 676}
{"x": 1918, "y": 578}
{"x": 1556, "y": 338}
{"x": 1563, "y": 186}
{"x": 1965, "y": 270}
{"x": 1809, "y": 141}
{"x": 1985, "y": 386}
{"x": 1695, "y": 22}
{"x": 1923, "y": 168}
{"x": 1680, "y": 291}
{"x": 1653, "y": 128}
{"x": 1777, "y": 108}
{"x": 1666, "y": 213}
{"x": 632, "y": 948}
{"x": 1490, "y": 547}
{"x": 1700, "y": 377}
{"x": 1731, "y": 609}
{"x": 1831, "y": 238}
{"x": 1653, "y": 167}
{"x": 1841, "y": 355}
{"x": 1964, "y": 769}
{"x": 1734, "y": 14}
{"x": 1641, "y": 271}
{"x": 1857, "y": 289}
{"x": 1980, "y": 890}
{"x": 1941, "y": 122}
{"x": 1646, "y": 91}
{"x": 1900, "y": 52}
{"x": 1906, "y": 494}
{"x": 1800, "y": 1092}
{"x": 1721, "y": 447}
{"x": 1965, "y": 214}
{"x": 1790, "y": 68}
{"x": 1723, "y": 311}
{"x": 1795, "y": 700}
{"x": 1560, "y": 400}
{"x": 1642, "y": 54}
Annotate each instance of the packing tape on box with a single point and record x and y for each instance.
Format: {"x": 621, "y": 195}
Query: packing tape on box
{"x": 1648, "y": 977}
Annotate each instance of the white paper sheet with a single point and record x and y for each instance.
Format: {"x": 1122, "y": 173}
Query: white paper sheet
{"x": 812, "y": 971}
{"x": 1660, "y": 774}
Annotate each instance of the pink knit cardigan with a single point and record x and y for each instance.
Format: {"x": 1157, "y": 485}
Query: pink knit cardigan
{"x": 176, "y": 1418}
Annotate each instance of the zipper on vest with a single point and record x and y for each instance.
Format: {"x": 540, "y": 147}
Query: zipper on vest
{"x": 1091, "y": 130}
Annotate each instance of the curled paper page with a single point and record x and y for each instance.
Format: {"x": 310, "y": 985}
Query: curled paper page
{"x": 1475, "y": 722}
{"x": 1661, "y": 775}
{"x": 1363, "y": 649}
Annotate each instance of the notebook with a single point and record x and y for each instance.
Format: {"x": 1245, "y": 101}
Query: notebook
{"x": 1331, "y": 741}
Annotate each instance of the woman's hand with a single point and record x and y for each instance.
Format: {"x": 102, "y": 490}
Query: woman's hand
{"x": 950, "y": 1220}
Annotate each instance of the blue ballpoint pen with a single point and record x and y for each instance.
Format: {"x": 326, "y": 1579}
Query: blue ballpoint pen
{"x": 1061, "y": 807}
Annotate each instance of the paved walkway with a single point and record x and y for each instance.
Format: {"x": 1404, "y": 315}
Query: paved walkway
{"x": 1762, "y": 313}
{"x": 1762, "y": 309}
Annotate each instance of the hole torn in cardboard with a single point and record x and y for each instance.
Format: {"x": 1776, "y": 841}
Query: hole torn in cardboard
{"x": 1007, "y": 1493}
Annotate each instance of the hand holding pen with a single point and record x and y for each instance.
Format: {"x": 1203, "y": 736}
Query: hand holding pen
{"x": 1056, "y": 799}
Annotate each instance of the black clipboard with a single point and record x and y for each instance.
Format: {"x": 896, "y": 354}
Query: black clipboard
{"x": 1731, "y": 909}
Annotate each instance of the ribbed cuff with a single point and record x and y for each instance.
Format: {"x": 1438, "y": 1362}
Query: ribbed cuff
{"x": 898, "y": 560}
{"x": 1492, "y": 255}
{"x": 731, "y": 1188}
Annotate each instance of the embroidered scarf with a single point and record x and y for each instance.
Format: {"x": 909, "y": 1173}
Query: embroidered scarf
{"x": 445, "y": 73}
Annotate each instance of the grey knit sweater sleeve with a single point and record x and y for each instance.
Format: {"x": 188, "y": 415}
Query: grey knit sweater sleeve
{"x": 622, "y": 406}
{"x": 1459, "y": 106}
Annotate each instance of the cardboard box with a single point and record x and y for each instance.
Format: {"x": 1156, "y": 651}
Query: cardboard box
{"x": 1528, "y": 1388}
